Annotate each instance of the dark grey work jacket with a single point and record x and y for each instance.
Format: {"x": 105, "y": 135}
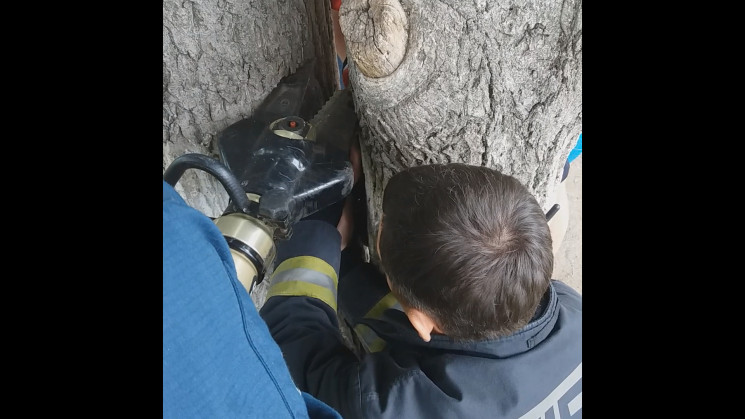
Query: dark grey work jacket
{"x": 534, "y": 373}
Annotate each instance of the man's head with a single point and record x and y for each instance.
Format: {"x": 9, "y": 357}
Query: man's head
{"x": 466, "y": 247}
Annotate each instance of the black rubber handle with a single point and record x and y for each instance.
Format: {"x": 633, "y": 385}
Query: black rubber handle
{"x": 214, "y": 167}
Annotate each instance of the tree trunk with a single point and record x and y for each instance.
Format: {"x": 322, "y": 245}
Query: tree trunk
{"x": 489, "y": 83}
{"x": 220, "y": 60}
{"x": 497, "y": 84}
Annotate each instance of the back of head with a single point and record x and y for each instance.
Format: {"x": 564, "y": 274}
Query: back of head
{"x": 467, "y": 245}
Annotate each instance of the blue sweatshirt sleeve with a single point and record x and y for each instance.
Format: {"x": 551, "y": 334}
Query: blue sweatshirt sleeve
{"x": 219, "y": 359}
{"x": 301, "y": 313}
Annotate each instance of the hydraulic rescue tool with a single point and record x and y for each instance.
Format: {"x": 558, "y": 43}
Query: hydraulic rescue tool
{"x": 288, "y": 160}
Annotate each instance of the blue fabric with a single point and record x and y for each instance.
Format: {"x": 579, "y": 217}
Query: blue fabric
{"x": 576, "y": 151}
{"x": 219, "y": 360}
{"x": 318, "y": 409}
{"x": 340, "y": 63}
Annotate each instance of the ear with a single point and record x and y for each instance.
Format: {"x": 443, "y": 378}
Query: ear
{"x": 423, "y": 324}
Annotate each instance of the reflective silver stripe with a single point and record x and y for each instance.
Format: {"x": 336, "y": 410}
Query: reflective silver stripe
{"x": 552, "y": 400}
{"x": 305, "y": 275}
{"x": 575, "y": 404}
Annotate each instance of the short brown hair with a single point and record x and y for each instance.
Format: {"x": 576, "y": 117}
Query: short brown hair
{"x": 467, "y": 245}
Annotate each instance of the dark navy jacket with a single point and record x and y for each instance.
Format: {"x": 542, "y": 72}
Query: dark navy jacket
{"x": 534, "y": 373}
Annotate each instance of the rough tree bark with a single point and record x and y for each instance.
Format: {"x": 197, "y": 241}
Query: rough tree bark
{"x": 492, "y": 83}
{"x": 220, "y": 60}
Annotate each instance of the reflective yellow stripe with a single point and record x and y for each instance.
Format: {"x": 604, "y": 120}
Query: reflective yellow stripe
{"x": 308, "y": 262}
{"x": 369, "y": 339}
{"x": 384, "y": 304}
{"x": 302, "y": 289}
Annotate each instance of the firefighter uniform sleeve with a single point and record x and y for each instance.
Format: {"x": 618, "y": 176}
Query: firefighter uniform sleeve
{"x": 301, "y": 313}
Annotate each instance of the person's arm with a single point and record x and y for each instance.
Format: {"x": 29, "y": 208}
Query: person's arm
{"x": 300, "y": 312}
{"x": 219, "y": 359}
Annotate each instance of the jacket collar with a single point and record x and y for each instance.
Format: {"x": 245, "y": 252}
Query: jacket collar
{"x": 394, "y": 327}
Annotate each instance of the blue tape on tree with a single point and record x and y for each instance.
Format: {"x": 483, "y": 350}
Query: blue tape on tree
{"x": 577, "y": 150}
